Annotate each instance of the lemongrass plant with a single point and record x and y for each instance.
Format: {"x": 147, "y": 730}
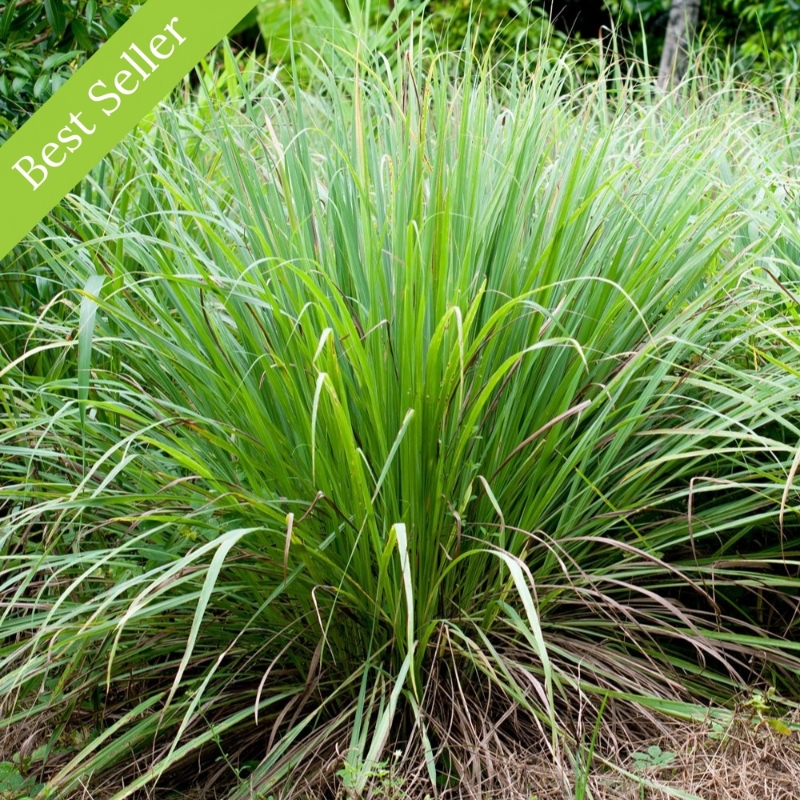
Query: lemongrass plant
{"x": 415, "y": 413}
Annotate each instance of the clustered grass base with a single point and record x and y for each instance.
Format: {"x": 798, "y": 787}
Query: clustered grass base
{"x": 419, "y": 414}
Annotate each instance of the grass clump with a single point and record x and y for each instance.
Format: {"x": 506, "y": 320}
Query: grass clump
{"x": 414, "y": 414}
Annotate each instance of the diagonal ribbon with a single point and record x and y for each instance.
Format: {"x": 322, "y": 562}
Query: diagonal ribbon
{"x": 102, "y": 102}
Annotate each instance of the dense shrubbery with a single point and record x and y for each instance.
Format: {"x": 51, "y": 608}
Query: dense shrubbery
{"x": 403, "y": 414}
{"x": 760, "y": 36}
{"x": 41, "y": 42}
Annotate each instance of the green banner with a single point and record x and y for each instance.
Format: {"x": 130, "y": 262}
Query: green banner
{"x": 102, "y": 102}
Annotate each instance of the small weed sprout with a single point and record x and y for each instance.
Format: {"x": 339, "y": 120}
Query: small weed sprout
{"x": 653, "y": 758}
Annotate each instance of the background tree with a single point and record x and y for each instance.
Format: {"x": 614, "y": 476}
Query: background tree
{"x": 683, "y": 16}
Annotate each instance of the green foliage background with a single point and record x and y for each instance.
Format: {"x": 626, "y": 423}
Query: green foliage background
{"x": 763, "y": 35}
{"x": 42, "y": 42}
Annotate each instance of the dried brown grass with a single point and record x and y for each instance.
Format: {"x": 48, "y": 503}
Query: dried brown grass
{"x": 746, "y": 761}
